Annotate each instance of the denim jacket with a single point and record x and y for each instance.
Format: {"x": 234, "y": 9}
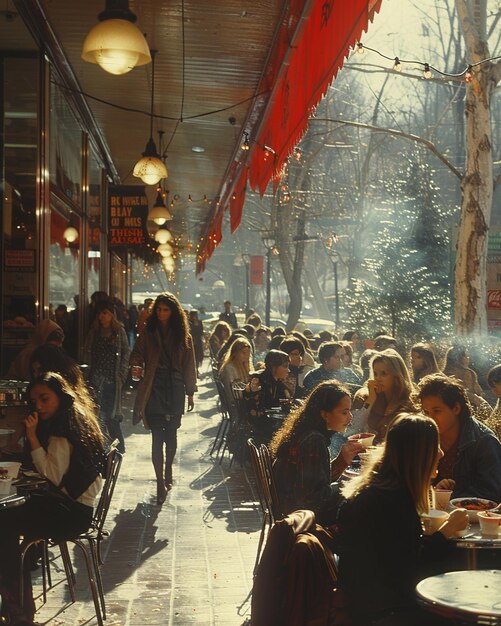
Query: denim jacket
{"x": 477, "y": 470}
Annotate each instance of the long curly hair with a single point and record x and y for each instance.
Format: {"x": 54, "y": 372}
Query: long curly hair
{"x": 306, "y": 418}
{"x": 73, "y": 418}
{"x": 178, "y": 321}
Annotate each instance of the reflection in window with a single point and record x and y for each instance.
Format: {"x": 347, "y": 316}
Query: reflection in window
{"x": 65, "y": 147}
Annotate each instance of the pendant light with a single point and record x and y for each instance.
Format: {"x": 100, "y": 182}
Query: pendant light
{"x": 163, "y": 235}
{"x": 150, "y": 168}
{"x": 159, "y": 213}
{"x": 70, "y": 233}
{"x": 115, "y": 44}
{"x": 165, "y": 250}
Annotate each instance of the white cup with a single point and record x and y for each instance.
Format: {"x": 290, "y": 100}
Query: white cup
{"x": 5, "y": 485}
{"x": 364, "y": 439}
{"x": 490, "y": 523}
{"x": 442, "y": 498}
{"x": 433, "y": 520}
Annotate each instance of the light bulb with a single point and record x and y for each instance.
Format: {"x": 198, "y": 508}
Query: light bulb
{"x": 70, "y": 234}
{"x": 163, "y": 235}
{"x": 427, "y": 72}
{"x": 397, "y": 66}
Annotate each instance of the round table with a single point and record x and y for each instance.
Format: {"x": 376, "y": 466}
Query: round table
{"x": 470, "y": 596}
{"x": 475, "y": 541}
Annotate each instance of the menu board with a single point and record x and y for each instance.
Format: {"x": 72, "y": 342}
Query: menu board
{"x": 128, "y": 212}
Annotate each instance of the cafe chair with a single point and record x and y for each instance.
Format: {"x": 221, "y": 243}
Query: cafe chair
{"x": 91, "y": 538}
{"x": 267, "y": 495}
{"x": 224, "y": 424}
{"x": 296, "y": 583}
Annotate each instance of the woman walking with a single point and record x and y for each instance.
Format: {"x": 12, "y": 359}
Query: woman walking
{"x": 164, "y": 350}
{"x": 107, "y": 353}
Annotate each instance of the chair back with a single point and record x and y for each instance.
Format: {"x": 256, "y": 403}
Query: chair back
{"x": 256, "y": 466}
{"x": 269, "y": 480}
{"x": 114, "y": 462}
{"x": 223, "y": 400}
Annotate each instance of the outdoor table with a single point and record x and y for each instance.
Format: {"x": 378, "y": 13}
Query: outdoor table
{"x": 473, "y": 597}
{"x": 9, "y": 502}
{"x": 475, "y": 541}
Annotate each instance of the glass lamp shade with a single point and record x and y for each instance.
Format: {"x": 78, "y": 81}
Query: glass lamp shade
{"x": 71, "y": 234}
{"x": 160, "y": 215}
{"x": 163, "y": 235}
{"x": 117, "y": 46}
{"x": 150, "y": 170}
{"x": 165, "y": 250}
{"x": 169, "y": 264}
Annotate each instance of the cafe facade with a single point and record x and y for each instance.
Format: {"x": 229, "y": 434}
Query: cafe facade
{"x": 54, "y": 176}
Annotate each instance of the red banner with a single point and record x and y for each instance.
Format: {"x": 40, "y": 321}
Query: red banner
{"x": 256, "y": 270}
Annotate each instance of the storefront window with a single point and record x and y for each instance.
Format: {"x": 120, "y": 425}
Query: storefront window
{"x": 118, "y": 278}
{"x": 19, "y": 91}
{"x": 94, "y": 225}
{"x": 65, "y": 147}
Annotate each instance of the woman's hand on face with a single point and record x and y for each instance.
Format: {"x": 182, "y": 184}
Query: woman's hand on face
{"x": 31, "y": 424}
{"x": 349, "y": 451}
{"x": 191, "y": 403}
{"x": 446, "y": 483}
{"x": 458, "y": 520}
{"x": 373, "y": 388}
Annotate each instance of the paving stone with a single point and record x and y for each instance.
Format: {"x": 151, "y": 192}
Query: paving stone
{"x": 186, "y": 563}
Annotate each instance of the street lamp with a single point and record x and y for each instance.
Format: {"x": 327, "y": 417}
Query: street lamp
{"x": 270, "y": 249}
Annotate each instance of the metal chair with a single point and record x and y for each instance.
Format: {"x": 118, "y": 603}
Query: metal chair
{"x": 224, "y": 424}
{"x": 268, "y": 499}
{"x": 94, "y": 535}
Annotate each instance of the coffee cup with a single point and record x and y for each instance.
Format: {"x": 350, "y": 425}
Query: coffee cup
{"x": 433, "y": 520}
{"x": 136, "y": 372}
{"x": 442, "y": 498}
{"x": 5, "y": 485}
{"x": 365, "y": 439}
{"x": 490, "y": 523}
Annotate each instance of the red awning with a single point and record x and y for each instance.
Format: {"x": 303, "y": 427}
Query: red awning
{"x": 301, "y": 68}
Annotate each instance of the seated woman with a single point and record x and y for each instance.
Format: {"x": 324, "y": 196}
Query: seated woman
{"x": 218, "y": 337}
{"x": 382, "y": 551}
{"x": 303, "y": 471}
{"x": 67, "y": 448}
{"x": 386, "y": 395}
{"x": 423, "y": 361}
{"x": 264, "y": 391}
{"x": 236, "y": 366}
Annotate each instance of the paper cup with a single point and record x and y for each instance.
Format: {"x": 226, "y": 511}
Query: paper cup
{"x": 5, "y": 485}
{"x": 12, "y": 468}
{"x": 489, "y": 523}
{"x": 442, "y": 498}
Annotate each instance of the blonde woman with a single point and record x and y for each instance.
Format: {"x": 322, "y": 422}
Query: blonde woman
{"x": 386, "y": 394}
{"x": 236, "y": 366}
{"x": 382, "y": 548}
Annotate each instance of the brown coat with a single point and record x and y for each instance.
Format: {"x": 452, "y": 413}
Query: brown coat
{"x": 146, "y": 354}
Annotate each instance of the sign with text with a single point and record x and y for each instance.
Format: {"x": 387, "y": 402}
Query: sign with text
{"x": 19, "y": 261}
{"x": 128, "y": 212}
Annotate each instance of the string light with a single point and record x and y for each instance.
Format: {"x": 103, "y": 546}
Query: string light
{"x": 298, "y": 153}
{"x": 245, "y": 144}
{"x": 397, "y": 63}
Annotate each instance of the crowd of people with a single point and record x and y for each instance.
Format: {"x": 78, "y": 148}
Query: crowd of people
{"x": 431, "y": 426}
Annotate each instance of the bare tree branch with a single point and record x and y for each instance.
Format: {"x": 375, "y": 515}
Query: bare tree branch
{"x": 398, "y": 133}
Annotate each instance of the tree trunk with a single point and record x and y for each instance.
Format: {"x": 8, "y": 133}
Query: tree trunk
{"x": 470, "y": 290}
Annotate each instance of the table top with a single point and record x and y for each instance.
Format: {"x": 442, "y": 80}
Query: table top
{"x": 8, "y": 502}
{"x": 475, "y": 539}
{"x": 468, "y": 595}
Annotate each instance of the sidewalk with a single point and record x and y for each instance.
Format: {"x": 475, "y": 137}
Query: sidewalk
{"x": 188, "y": 562}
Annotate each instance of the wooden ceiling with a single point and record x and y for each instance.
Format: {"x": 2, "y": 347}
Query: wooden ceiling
{"x": 211, "y": 56}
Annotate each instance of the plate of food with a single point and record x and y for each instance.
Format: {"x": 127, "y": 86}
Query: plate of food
{"x": 473, "y": 506}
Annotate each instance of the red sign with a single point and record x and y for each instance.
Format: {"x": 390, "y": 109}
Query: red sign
{"x": 256, "y": 270}
{"x": 128, "y": 210}
{"x": 494, "y": 299}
